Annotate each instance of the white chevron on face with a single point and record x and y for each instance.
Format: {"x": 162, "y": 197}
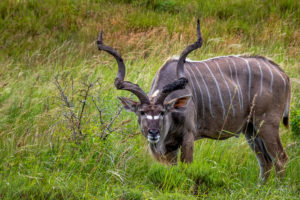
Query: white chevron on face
{"x": 149, "y": 117}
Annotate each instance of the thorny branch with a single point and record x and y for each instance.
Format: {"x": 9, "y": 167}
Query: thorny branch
{"x": 75, "y": 114}
{"x": 85, "y": 96}
{"x": 64, "y": 98}
{"x": 100, "y": 111}
{"x": 106, "y": 126}
{"x": 112, "y": 120}
{"x": 71, "y": 117}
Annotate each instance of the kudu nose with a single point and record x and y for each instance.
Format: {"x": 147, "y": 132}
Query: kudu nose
{"x": 153, "y": 135}
{"x": 153, "y": 132}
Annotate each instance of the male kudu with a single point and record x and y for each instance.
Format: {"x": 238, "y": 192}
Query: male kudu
{"x": 215, "y": 98}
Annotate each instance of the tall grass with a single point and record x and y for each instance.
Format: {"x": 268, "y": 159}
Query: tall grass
{"x": 39, "y": 159}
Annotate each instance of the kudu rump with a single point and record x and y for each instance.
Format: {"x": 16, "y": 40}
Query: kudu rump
{"x": 215, "y": 98}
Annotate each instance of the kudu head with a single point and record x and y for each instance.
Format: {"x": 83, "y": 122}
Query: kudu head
{"x": 151, "y": 113}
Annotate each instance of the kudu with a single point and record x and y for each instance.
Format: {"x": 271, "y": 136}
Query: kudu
{"x": 216, "y": 98}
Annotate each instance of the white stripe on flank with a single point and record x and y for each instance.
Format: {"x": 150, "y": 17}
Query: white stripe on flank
{"x": 209, "y": 100}
{"x": 236, "y": 86}
{"x": 202, "y": 99}
{"x": 261, "y": 77}
{"x": 216, "y": 82}
{"x": 149, "y": 117}
{"x": 276, "y": 70}
{"x": 241, "y": 100}
{"x": 194, "y": 90}
{"x": 226, "y": 86}
{"x": 236, "y": 89}
{"x": 249, "y": 73}
{"x": 229, "y": 69}
{"x": 267, "y": 66}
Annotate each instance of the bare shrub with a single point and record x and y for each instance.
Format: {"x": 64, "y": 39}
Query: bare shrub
{"x": 73, "y": 101}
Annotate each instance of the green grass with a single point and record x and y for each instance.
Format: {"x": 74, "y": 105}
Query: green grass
{"x": 38, "y": 41}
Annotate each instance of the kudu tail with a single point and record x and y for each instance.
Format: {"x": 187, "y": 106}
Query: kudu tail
{"x": 286, "y": 114}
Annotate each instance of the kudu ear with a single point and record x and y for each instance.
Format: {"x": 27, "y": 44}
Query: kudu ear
{"x": 178, "y": 104}
{"x": 129, "y": 104}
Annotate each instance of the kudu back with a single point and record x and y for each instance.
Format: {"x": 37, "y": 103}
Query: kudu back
{"x": 216, "y": 98}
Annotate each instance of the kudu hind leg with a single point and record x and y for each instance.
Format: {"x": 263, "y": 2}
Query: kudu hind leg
{"x": 283, "y": 158}
{"x": 260, "y": 151}
{"x": 272, "y": 142}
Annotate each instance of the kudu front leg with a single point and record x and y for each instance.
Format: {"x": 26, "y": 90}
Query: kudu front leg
{"x": 187, "y": 148}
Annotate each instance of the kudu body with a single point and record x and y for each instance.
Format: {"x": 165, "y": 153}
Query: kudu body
{"x": 216, "y": 98}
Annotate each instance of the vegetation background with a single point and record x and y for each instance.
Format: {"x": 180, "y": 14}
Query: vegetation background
{"x": 49, "y": 150}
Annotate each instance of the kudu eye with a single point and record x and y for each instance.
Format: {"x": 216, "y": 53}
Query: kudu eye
{"x": 162, "y": 113}
{"x": 142, "y": 113}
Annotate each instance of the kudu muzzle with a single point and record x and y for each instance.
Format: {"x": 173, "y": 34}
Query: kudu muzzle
{"x": 153, "y": 136}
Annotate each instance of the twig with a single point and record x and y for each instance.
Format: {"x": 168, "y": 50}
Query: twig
{"x": 112, "y": 120}
{"x": 100, "y": 111}
{"x": 86, "y": 93}
{"x": 62, "y": 93}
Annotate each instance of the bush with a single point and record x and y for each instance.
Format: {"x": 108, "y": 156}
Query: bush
{"x": 295, "y": 121}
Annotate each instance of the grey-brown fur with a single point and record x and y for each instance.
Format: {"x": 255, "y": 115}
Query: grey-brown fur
{"x": 261, "y": 125}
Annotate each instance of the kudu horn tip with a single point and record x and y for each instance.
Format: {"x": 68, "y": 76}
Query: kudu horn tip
{"x": 99, "y": 41}
{"x": 199, "y": 32}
